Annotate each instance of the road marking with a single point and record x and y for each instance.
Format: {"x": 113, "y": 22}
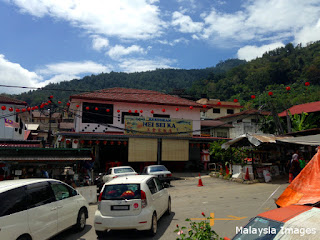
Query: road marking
{"x": 230, "y": 217}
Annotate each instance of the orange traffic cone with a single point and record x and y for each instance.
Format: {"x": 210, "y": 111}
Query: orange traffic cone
{"x": 247, "y": 176}
{"x": 290, "y": 177}
{"x": 200, "y": 181}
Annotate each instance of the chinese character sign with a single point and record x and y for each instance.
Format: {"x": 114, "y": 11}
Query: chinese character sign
{"x": 157, "y": 126}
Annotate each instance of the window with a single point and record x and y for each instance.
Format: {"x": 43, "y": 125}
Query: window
{"x": 61, "y": 191}
{"x": 13, "y": 201}
{"x": 222, "y": 134}
{"x": 123, "y": 170}
{"x": 127, "y": 114}
{"x": 121, "y": 191}
{"x": 39, "y": 194}
{"x": 230, "y": 111}
{"x": 216, "y": 110}
{"x": 152, "y": 186}
{"x": 97, "y": 116}
{"x": 161, "y": 115}
{"x": 159, "y": 184}
{"x": 254, "y": 120}
{"x": 239, "y": 121}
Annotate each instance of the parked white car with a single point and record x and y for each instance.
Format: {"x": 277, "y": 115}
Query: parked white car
{"x": 159, "y": 171}
{"x": 115, "y": 172}
{"x": 37, "y": 209}
{"x": 131, "y": 202}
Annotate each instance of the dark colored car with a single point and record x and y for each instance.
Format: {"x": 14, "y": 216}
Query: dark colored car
{"x": 159, "y": 171}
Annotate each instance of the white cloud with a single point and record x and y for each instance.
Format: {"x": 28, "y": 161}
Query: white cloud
{"x": 72, "y": 68}
{"x": 173, "y": 42}
{"x": 118, "y": 51}
{"x": 99, "y": 43}
{"x": 14, "y": 74}
{"x": 308, "y": 34}
{"x": 185, "y": 23}
{"x": 142, "y": 65}
{"x": 251, "y": 52}
{"x": 261, "y": 19}
{"x": 132, "y": 19}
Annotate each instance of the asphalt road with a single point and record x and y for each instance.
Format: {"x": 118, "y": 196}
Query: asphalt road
{"x": 230, "y": 204}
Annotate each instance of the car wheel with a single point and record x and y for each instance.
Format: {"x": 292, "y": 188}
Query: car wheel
{"x": 24, "y": 237}
{"x": 100, "y": 234}
{"x": 154, "y": 225}
{"x": 168, "y": 212}
{"x": 81, "y": 220}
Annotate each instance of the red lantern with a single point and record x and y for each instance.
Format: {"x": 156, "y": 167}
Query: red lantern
{"x": 105, "y": 142}
{"x": 17, "y": 110}
{"x": 125, "y": 143}
{"x": 82, "y": 141}
{"x": 46, "y": 104}
{"x": 108, "y": 110}
{"x": 118, "y": 111}
{"x": 59, "y": 102}
{"x": 288, "y": 88}
{"x": 111, "y": 143}
{"x": 253, "y": 96}
{"x": 97, "y": 142}
{"x": 192, "y": 145}
{"x": 36, "y": 107}
{"x": 191, "y": 107}
{"x": 75, "y": 141}
{"x": 177, "y": 109}
{"x": 33, "y": 108}
{"x": 68, "y": 142}
{"x": 219, "y": 103}
{"x": 307, "y": 84}
{"x": 51, "y": 96}
{"x": 235, "y": 100}
{"x": 198, "y": 145}
{"x": 208, "y": 145}
{"x": 204, "y": 106}
{"x": 141, "y": 111}
{"x": 42, "y": 105}
{"x": 90, "y": 142}
{"x": 49, "y": 101}
{"x": 62, "y": 139}
{"x": 119, "y": 142}
{"x": 136, "y": 111}
{"x": 77, "y": 106}
{"x": 270, "y": 93}
{"x": 68, "y": 104}
{"x": 96, "y": 109}
{"x": 163, "y": 110}
{"x": 87, "y": 108}
{"x": 23, "y": 109}
{"x": 152, "y": 111}
{"x": 129, "y": 111}
{"x": 10, "y": 109}
{"x": 3, "y": 108}
{"x": 28, "y": 109}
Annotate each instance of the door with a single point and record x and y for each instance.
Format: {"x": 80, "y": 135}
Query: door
{"x": 67, "y": 205}
{"x": 42, "y": 211}
{"x": 162, "y": 195}
{"x": 155, "y": 197}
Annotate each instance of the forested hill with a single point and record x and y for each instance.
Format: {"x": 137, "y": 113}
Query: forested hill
{"x": 289, "y": 66}
{"x": 163, "y": 80}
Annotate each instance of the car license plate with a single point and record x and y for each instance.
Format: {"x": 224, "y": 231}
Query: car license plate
{"x": 120, "y": 207}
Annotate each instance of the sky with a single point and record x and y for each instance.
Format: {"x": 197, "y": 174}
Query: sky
{"x": 49, "y": 41}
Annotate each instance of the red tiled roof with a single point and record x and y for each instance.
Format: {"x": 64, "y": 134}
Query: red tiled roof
{"x": 306, "y": 107}
{"x": 246, "y": 112}
{"x": 4, "y": 99}
{"x": 136, "y": 96}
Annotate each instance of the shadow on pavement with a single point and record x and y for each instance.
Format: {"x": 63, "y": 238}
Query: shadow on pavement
{"x": 71, "y": 232}
{"x": 163, "y": 224}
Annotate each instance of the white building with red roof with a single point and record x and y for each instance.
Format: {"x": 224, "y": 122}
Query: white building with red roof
{"x": 312, "y": 107}
{"x": 137, "y": 127}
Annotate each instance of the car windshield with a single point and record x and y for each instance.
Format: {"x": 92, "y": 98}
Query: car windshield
{"x": 121, "y": 192}
{"x": 158, "y": 169}
{"x": 123, "y": 170}
{"x": 258, "y": 228}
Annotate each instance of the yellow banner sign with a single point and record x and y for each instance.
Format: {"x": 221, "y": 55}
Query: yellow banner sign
{"x": 157, "y": 126}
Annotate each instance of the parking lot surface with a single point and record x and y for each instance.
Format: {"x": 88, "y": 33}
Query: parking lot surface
{"x": 230, "y": 204}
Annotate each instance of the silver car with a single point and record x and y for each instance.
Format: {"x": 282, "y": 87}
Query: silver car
{"x": 115, "y": 172}
{"x": 159, "y": 171}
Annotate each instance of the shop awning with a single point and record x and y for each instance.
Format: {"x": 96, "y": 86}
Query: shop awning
{"x": 32, "y": 127}
{"x": 313, "y": 140}
{"x": 252, "y": 139}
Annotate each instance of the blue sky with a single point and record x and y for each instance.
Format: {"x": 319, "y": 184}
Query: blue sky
{"x": 45, "y": 41}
